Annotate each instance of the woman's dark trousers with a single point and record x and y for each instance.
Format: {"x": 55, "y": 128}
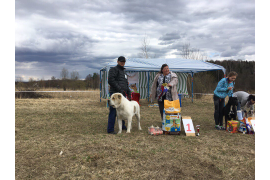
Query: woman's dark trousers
{"x": 219, "y": 106}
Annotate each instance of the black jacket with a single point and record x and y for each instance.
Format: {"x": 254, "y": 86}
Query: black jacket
{"x": 118, "y": 82}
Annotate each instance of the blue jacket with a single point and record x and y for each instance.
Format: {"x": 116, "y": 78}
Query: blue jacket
{"x": 221, "y": 90}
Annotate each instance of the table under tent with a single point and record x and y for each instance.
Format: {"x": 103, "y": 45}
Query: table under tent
{"x": 141, "y": 72}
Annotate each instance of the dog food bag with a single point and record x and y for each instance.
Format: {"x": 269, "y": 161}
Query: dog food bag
{"x": 171, "y": 122}
{"x": 233, "y": 126}
{"x": 172, "y": 107}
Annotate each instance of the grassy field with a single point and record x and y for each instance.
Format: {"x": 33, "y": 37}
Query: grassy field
{"x": 77, "y": 127}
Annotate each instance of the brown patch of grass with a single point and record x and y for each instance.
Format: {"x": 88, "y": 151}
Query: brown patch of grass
{"x": 77, "y": 126}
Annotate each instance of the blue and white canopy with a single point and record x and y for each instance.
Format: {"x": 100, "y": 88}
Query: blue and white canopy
{"x": 148, "y": 68}
{"x": 175, "y": 65}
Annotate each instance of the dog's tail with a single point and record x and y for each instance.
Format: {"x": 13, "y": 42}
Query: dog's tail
{"x": 136, "y": 108}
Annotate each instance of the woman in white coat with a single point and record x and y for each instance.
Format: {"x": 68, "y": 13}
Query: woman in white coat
{"x": 164, "y": 76}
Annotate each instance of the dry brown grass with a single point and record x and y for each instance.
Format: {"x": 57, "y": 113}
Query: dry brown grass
{"x": 94, "y": 94}
{"x": 77, "y": 126}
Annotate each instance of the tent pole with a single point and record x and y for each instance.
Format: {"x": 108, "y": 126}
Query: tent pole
{"x": 192, "y": 86}
{"x": 107, "y": 87}
{"x": 148, "y": 86}
{"x": 100, "y": 86}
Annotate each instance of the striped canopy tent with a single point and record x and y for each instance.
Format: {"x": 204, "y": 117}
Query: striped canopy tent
{"x": 148, "y": 68}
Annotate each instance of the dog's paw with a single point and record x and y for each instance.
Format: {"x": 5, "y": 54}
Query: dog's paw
{"x": 119, "y": 132}
{"x": 128, "y": 131}
{"x": 140, "y": 128}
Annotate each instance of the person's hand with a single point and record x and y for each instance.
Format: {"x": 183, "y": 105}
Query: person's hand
{"x": 169, "y": 85}
{"x": 230, "y": 88}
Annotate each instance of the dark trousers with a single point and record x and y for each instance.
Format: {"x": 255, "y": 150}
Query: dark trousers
{"x": 111, "y": 119}
{"x": 161, "y": 108}
{"x": 219, "y": 105}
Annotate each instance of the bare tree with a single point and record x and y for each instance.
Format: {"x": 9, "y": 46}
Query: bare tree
{"x": 53, "y": 78}
{"x": 31, "y": 82}
{"x": 145, "y": 47}
{"x": 64, "y": 74}
{"x": 74, "y": 75}
{"x": 188, "y": 52}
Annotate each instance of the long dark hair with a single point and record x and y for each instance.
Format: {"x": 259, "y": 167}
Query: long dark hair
{"x": 163, "y": 66}
{"x": 251, "y": 97}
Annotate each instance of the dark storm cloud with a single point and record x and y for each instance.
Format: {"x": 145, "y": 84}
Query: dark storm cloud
{"x": 64, "y": 47}
{"x": 88, "y": 34}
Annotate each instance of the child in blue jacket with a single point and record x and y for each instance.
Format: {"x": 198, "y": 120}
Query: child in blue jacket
{"x": 224, "y": 88}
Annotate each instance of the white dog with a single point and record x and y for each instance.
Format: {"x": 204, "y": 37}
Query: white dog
{"x": 125, "y": 109}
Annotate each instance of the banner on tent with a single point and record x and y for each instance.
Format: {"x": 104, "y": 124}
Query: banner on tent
{"x": 133, "y": 80}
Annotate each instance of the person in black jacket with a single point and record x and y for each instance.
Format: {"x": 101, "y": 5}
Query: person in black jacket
{"x": 118, "y": 82}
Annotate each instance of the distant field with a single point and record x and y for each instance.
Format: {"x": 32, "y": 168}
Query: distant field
{"x": 76, "y": 125}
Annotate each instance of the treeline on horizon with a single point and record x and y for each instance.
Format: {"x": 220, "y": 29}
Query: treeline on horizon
{"x": 204, "y": 82}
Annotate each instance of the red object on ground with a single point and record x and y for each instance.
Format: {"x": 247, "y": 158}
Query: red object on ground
{"x": 135, "y": 97}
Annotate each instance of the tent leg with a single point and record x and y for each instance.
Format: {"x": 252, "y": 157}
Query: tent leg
{"x": 107, "y": 88}
{"x": 148, "y": 86}
{"x": 192, "y": 87}
{"x": 100, "y": 86}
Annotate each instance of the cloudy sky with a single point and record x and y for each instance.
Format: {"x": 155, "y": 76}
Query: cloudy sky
{"x": 84, "y": 35}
